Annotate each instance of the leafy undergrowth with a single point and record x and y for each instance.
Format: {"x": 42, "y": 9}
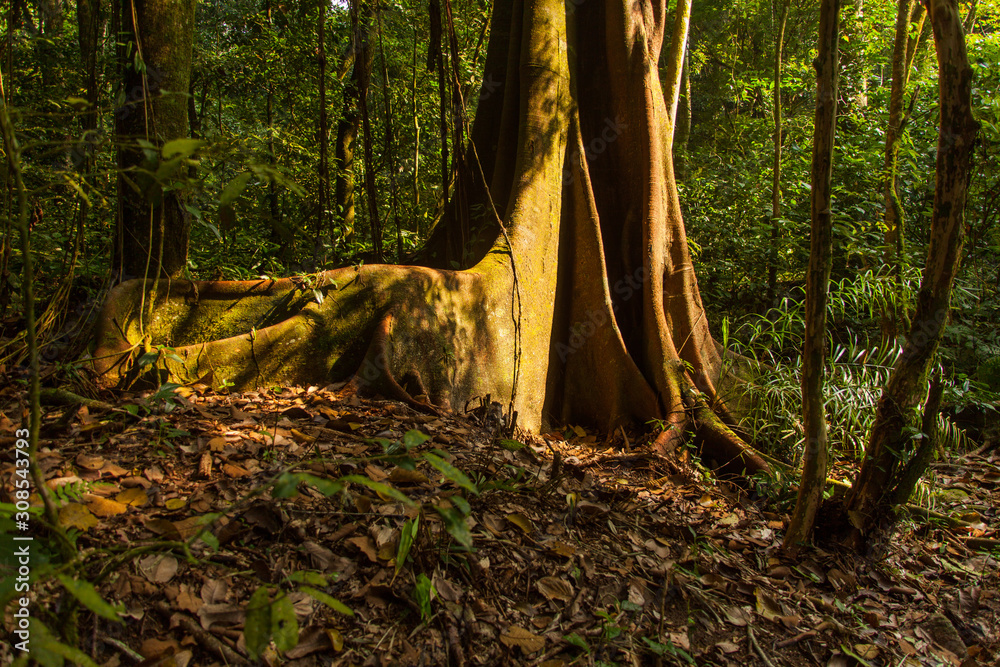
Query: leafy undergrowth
{"x": 314, "y": 528}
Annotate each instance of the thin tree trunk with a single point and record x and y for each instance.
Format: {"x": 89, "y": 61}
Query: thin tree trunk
{"x": 416, "y": 139}
{"x": 772, "y": 269}
{"x": 435, "y": 57}
{"x": 894, "y": 316}
{"x": 814, "y": 457}
{"x": 684, "y": 119}
{"x": 675, "y": 66}
{"x": 363, "y": 60}
{"x": 868, "y": 506}
{"x": 347, "y": 134}
{"x": 324, "y": 132}
{"x": 390, "y": 147}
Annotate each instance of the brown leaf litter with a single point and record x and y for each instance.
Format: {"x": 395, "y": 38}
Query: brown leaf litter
{"x": 585, "y": 550}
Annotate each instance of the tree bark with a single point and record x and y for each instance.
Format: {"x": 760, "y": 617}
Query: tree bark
{"x": 814, "y": 457}
{"x": 585, "y": 308}
{"x": 363, "y": 61}
{"x": 868, "y": 506}
{"x": 152, "y": 228}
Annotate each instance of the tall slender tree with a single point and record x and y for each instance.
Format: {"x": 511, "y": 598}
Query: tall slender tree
{"x": 814, "y": 458}
{"x": 779, "y": 43}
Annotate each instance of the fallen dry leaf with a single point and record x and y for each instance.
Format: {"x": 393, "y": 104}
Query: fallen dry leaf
{"x": 90, "y": 461}
{"x": 75, "y": 515}
{"x": 158, "y": 568}
{"x": 555, "y": 588}
{"x": 105, "y": 507}
{"x": 136, "y": 497}
{"x": 526, "y": 640}
{"x": 522, "y": 522}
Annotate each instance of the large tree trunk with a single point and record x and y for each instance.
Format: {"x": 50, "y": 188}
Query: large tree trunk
{"x": 585, "y": 309}
{"x": 814, "y": 458}
{"x": 153, "y": 228}
{"x": 868, "y": 506}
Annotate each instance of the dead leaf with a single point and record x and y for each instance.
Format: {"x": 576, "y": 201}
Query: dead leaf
{"x": 158, "y": 568}
{"x": 220, "y": 613}
{"x": 404, "y": 476}
{"x": 366, "y": 545}
{"x": 322, "y": 558}
{"x": 205, "y": 465}
{"x": 175, "y": 503}
{"x": 738, "y": 616}
{"x": 163, "y": 528}
{"x": 767, "y": 606}
{"x": 528, "y": 641}
{"x": 522, "y": 522}
{"x": 866, "y": 651}
{"x": 75, "y": 515}
{"x": 555, "y": 588}
{"x": 104, "y": 507}
{"x": 235, "y": 471}
{"x": 136, "y": 497}
{"x": 727, "y": 647}
{"x": 214, "y": 591}
{"x": 113, "y": 470}
{"x": 90, "y": 461}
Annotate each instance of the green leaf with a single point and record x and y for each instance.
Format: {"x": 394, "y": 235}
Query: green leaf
{"x": 308, "y": 577}
{"x": 577, "y": 641}
{"x": 454, "y": 523}
{"x": 166, "y": 169}
{"x": 462, "y": 504}
{"x": 413, "y": 438}
{"x": 284, "y": 625}
{"x": 512, "y": 445}
{"x": 286, "y": 486}
{"x": 378, "y": 487}
{"x": 182, "y": 147}
{"x": 257, "y": 626}
{"x": 406, "y": 538}
{"x": 166, "y": 390}
{"x": 88, "y": 596}
{"x": 423, "y": 593}
{"x": 327, "y": 487}
{"x": 451, "y": 472}
{"x": 330, "y": 601}
{"x": 48, "y": 651}
{"x": 234, "y": 189}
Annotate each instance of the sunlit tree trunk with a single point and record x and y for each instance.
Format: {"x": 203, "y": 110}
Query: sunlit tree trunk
{"x": 583, "y": 307}
{"x": 814, "y": 457}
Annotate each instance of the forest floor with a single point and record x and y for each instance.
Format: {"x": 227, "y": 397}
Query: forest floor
{"x": 583, "y": 551}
